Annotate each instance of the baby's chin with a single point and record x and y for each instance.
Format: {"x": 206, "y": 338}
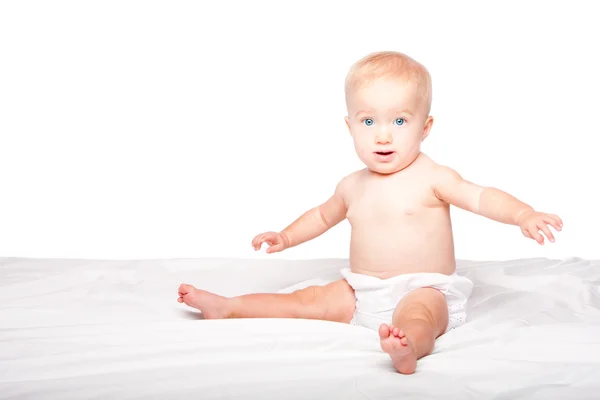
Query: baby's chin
{"x": 384, "y": 170}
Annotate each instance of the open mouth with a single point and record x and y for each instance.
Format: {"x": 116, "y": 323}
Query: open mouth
{"x": 384, "y": 153}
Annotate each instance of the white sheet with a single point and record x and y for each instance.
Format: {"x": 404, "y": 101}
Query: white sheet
{"x": 73, "y": 329}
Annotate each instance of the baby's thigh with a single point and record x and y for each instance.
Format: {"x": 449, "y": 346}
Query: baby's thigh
{"x": 336, "y": 300}
{"x": 427, "y": 304}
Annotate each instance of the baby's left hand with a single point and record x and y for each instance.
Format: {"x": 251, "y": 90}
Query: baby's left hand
{"x": 532, "y": 222}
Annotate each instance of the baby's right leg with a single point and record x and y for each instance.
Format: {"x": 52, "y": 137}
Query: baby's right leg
{"x": 332, "y": 302}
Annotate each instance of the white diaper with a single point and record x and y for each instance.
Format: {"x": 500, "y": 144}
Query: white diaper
{"x": 377, "y": 298}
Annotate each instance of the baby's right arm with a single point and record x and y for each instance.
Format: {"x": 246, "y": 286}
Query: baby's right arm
{"x": 309, "y": 225}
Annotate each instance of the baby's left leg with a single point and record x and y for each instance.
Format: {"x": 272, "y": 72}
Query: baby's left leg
{"x": 419, "y": 318}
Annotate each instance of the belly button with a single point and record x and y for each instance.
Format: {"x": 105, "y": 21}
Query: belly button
{"x": 408, "y": 212}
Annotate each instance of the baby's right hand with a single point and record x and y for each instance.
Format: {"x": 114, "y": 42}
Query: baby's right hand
{"x": 276, "y": 241}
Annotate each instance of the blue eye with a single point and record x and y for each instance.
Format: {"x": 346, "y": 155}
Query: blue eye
{"x": 400, "y": 121}
{"x": 368, "y": 122}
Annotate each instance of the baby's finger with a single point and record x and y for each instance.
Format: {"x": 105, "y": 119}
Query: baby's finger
{"x": 266, "y": 238}
{"x": 536, "y": 235}
{"x": 257, "y": 242}
{"x": 557, "y": 218}
{"x": 546, "y": 231}
{"x": 553, "y": 222}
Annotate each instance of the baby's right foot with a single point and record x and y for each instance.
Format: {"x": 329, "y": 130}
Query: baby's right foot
{"x": 211, "y": 305}
{"x": 396, "y": 344}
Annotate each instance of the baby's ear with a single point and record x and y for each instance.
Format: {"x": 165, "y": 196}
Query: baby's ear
{"x": 347, "y": 123}
{"x": 427, "y": 128}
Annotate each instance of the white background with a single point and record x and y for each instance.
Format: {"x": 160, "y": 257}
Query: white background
{"x": 182, "y": 129}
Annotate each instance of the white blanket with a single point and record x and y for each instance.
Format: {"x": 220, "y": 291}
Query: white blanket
{"x": 74, "y": 329}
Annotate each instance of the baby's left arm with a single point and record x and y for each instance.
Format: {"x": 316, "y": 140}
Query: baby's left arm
{"x": 493, "y": 203}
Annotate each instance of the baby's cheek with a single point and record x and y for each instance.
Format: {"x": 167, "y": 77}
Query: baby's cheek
{"x": 363, "y": 154}
{"x": 363, "y": 143}
{"x": 359, "y": 146}
{"x": 364, "y": 151}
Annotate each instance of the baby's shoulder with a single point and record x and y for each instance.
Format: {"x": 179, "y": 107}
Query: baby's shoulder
{"x": 354, "y": 177}
{"x": 348, "y": 182}
{"x": 432, "y": 169}
{"x": 438, "y": 175}
{"x": 425, "y": 162}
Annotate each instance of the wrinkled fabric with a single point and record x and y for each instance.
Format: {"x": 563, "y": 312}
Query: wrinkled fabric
{"x": 74, "y": 329}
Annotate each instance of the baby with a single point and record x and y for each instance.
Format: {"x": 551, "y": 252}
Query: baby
{"x": 402, "y": 279}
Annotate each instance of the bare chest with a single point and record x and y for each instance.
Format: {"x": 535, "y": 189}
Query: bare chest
{"x": 389, "y": 201}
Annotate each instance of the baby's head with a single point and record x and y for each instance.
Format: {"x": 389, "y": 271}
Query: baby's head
{"x": 388, "y": 98}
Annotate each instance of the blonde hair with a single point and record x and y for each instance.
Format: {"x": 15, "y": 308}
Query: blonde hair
{"x": 390, "y": 64}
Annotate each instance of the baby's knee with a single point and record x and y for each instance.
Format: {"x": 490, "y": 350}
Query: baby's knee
{"x": 332, "y": 302}
{"x": 307, "y": 296}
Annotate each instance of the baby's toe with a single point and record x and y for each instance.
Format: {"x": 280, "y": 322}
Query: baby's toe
{"x": 404, "y": 341}
{"x": 384, "y": 331}
{"x": 185, "y": 288}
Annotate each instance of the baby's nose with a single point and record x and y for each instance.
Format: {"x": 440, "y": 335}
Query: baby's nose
{"x": 384, "y": 137}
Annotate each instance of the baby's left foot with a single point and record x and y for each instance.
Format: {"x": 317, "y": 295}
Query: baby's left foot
{"x": 396, "y": 344}
{"x": 211, "y": 305}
